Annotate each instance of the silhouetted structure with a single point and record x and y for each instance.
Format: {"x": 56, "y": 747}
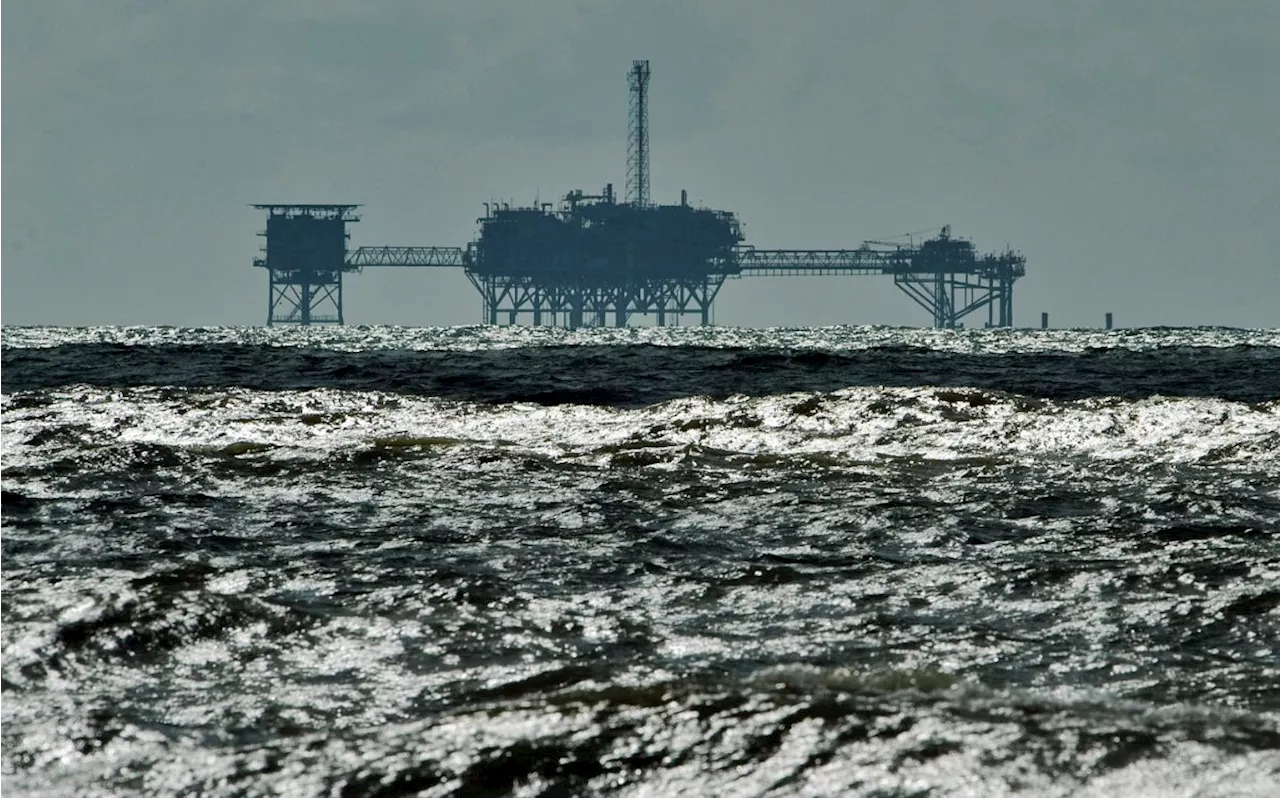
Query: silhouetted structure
{"x": 594, "y": 261}
{"x": 638, "y": 135}
{"x": 946, "y": 276}
{"x": 305, "y": 256}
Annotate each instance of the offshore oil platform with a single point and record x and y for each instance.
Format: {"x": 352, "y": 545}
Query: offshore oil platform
{"x": 595, "y": 261}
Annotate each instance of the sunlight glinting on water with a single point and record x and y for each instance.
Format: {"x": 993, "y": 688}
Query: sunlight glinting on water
{"x": 841, "y": 588}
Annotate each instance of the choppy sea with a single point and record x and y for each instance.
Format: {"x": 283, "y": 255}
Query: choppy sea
{"x": 476, "y": 561}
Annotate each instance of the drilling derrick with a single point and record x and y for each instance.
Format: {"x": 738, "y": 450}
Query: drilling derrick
{"x": 638, "y": 135}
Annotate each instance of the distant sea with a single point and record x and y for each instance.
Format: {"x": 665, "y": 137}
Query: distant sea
{"x": 848, "y": 561}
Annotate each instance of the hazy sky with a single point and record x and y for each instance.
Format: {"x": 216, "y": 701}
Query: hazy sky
{"x": 1131, "y": 150}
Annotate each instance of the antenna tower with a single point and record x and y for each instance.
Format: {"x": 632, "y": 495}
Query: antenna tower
{"x": 638, "y": 135}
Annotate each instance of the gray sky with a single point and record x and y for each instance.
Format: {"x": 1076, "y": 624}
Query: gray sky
{"x": 1129, "y": 150}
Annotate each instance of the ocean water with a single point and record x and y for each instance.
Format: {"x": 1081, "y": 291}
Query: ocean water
{"x": 701, "y": 561}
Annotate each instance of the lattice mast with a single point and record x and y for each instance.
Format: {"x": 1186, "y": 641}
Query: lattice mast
{"x": 638, "y": 135}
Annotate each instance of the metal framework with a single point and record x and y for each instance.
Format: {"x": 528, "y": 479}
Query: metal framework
{"x": 950, "y": 296}
{"x": 944, "y": 275}
{"x": 564, "y": 299}
{"x": 596, "y": 262}
{"x": 289, "y": 302}
{"x": 305, "y": 257}
{"x": 406, "y": 256}
{"x": 567, "y": 300}
{"x": 950, "y": 289}
{"x": 775, "y": 262}
{"x": 637, "y": 192}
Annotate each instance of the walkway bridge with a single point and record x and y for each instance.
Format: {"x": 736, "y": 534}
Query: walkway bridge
{"x": 944, "y": 276}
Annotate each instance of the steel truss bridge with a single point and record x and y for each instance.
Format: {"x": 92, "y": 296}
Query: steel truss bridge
{"x": 949, "y": 288}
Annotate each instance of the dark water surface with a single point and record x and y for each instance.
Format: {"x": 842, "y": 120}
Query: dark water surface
{"x": 480, "y": 561}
